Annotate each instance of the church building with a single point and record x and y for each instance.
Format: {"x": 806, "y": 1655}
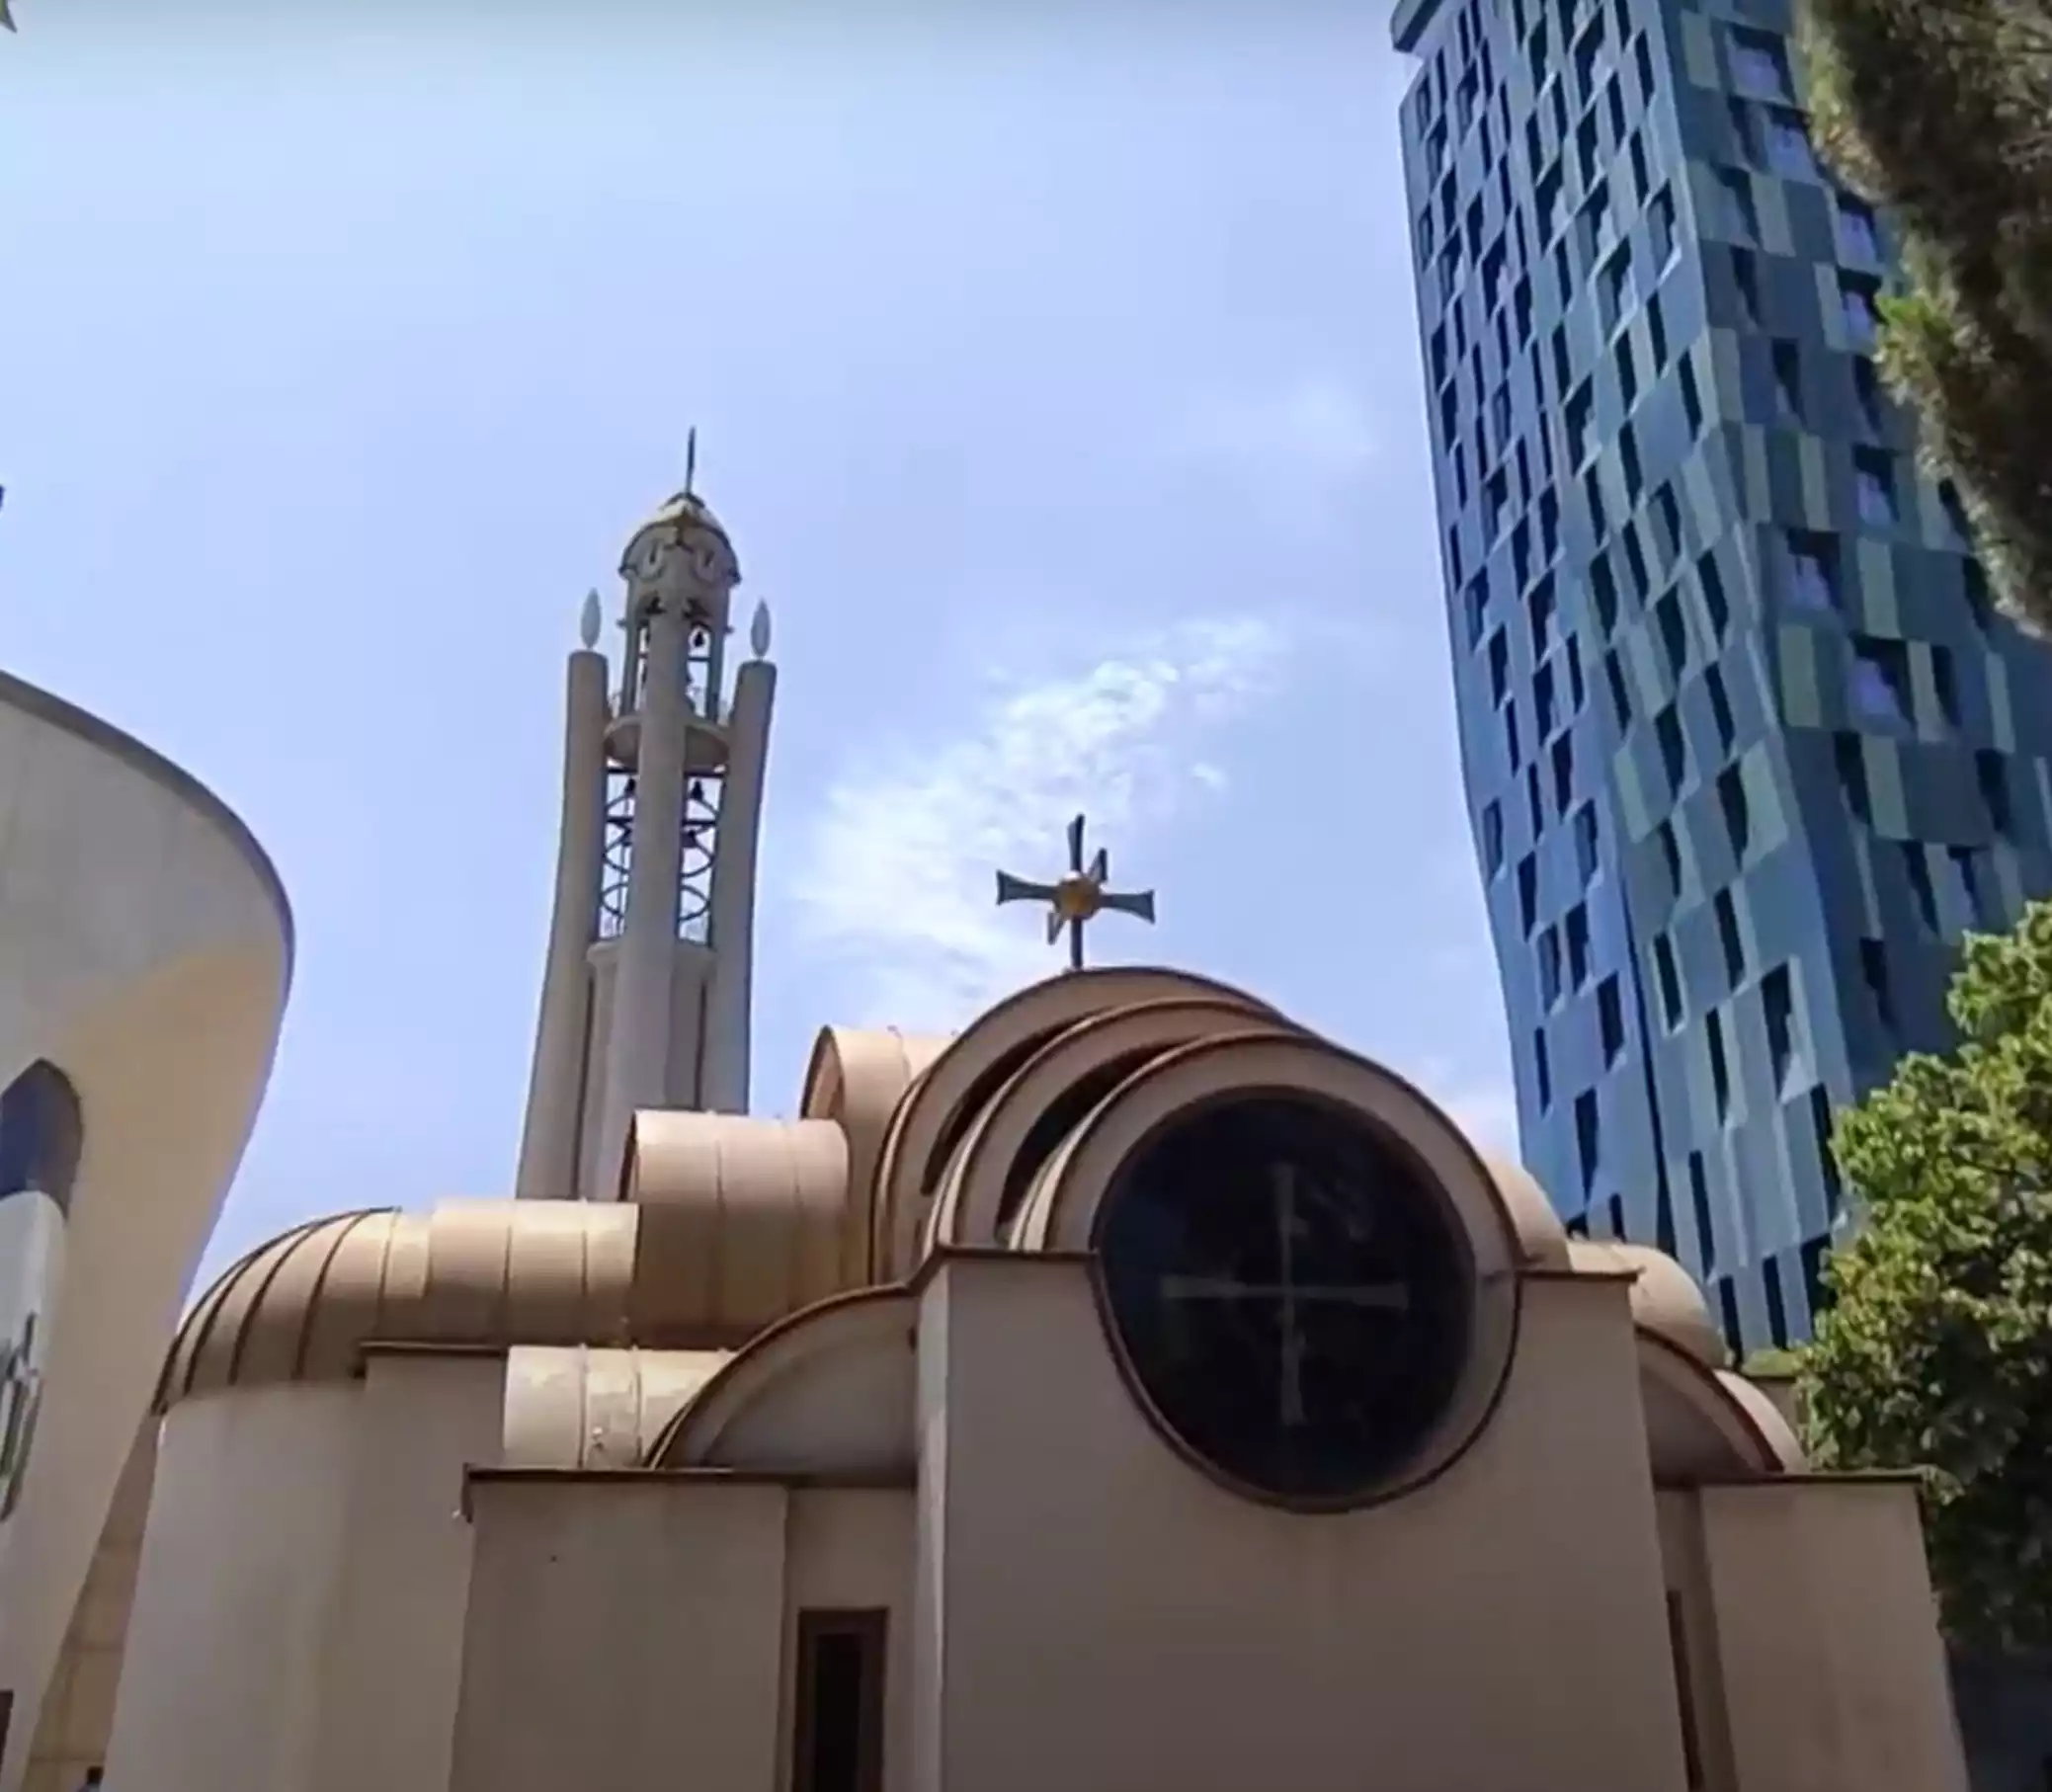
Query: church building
{"x": 1133, "y": 1391}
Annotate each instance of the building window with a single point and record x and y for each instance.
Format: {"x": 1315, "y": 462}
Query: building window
{"x": 1859, "y": 238}
{"x": 1789, "y": 145}
{"x": 1586, "y": 843}
{"x": 838, "y": 1746}
{"x": 1788, "y": 382}
{"x": 1720, "y": 1069}
{"x": 1499, "y": 668}
{"x": 1990, "y": 772}
{"x": 1917, "y": 868}
{"x": 1873, "y": 478}
{"x": 1721, "y": 717}
{"x": 1576, "y": 927}
{"x": 1699, "y": 1199}
{"x": 1778, "y": 1006}
{"x": 1610, "y": 1020}
{"x": 1492, "y": 839}
{"x": 1549, "y": 968}
{"x": 1685, "y": 1690}
{"x": 1760, "y": 65}
{"x": 1813, "y": 572}
{"x": 1673, "y": 752}
{"x": 1729, "y": 938}
{"x": 1737, "y": 815}
{"x": 1880, "y": 681}
{"x": 1873, "y": 972}
{"x": 1542, "y": 1069}
{"x": 41, "y": 1133}
{"x": 1859, "y": 301}
{"x": 1777, "y": 1311}
{"x": 1670, "y": 982}
{"x": 1588, "y": 1140}
{"x": 1873, "y": 402}
{"x": 1741, "y": 214}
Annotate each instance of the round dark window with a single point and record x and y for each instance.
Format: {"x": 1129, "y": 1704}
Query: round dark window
{"x": 1292, "y": 1292}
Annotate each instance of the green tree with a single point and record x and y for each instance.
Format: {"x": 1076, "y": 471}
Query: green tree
{"x": 1940, "y": 111}
{"x": 1936, "y": 1352}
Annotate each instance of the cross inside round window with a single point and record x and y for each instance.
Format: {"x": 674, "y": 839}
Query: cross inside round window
{"x": 1291, "y": 1294}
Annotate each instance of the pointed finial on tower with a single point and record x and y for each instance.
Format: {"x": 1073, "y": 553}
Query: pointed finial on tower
{"x": 588, "y": 625}
{"x": 758, "y": 630}
{"x": 690, "y": 459}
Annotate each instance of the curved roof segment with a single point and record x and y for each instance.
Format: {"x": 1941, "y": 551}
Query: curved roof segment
{"x": 146, "y": 955}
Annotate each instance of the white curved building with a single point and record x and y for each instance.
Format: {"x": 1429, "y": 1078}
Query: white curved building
{"x": 145, "y": 953}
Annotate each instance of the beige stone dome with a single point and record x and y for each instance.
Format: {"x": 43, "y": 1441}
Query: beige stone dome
{"x": 1664, "y": 1297}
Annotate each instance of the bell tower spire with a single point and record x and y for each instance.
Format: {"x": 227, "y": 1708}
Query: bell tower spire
{"x": 646, "y": 1003}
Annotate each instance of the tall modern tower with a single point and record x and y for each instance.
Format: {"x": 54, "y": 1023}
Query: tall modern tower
{"x": 646, "y": 997}
{"x": 1745, "y": 751}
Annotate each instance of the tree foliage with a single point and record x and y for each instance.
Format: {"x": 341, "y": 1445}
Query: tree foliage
{"x": 1941, "y": 111}
{"x": 1936, "y": 1352}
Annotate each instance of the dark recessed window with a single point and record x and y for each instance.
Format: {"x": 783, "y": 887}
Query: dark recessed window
{"x": 1917, "y": 868}
{"x": 1788, "y": 363}
{"x": 1880, "y": 680}
{"x": 1528, "y": 893}
{"x": 1586, "y": 841}
{"x": 1820, "y": 1121}
{"x": 1789, "y": 145}
{"x": 1720, "y": 708}
{"x": 1673, "y": 756}
{"x": 1691, "y": 398}
{"x": 1778, "y": 1312}
{"x": 1731, "y": 941}
{"x": 1990, "y": 772}
{"x": 1873, "y": 482}
{"x": 1549, "y": 968}
{"x": 838, "y": 1746}
{"x": 1610, "y": 1017}
{"x": 1670, "y": 982}
{"x": 1699, "y": 1201}
{"x": 1848, "y": 758}
{"x": 1859, "y": 239}
{"x": 1720, "y": 1069}
{"x": 1588, "y": 1140}
{"x": 1738, "y": 814}
{"x": 1813, "y": 571}
{"x": 1740, "y": 216}
{"x": 1873, "y": 972}
{"x": 1760, "y": 65}
{"x": 1777, "y": 1008}
{"x": 1576, "y": 929}
{"x": 1492, "y": 839}
{"x": 1860, "y": 304}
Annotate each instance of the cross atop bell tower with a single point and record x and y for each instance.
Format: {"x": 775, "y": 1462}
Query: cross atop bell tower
{"x": 646, "y": 1003}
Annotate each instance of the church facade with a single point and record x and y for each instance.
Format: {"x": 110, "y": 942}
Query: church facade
{"x": 1135, "y": 1390}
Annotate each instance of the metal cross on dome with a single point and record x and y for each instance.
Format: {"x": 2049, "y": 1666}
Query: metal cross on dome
{"x": 1078, "y": 898}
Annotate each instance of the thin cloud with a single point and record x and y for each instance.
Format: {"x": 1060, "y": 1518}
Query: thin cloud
{"x": 898, "y": 878}
{"x": 1312, "y": 425}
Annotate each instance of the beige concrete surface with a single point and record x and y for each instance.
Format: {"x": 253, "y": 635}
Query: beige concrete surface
{"x": 145, "y": 951}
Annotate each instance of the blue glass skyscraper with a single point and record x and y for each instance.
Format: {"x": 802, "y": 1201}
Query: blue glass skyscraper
{"x": 1746, "y": 751}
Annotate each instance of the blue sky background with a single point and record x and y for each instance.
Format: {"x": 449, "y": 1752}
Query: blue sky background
{"x": 1055, "y": 372}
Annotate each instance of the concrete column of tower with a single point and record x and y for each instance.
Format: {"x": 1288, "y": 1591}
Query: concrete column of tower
{"x": 550, "y": 1140}
{"x": 637, "y": 1048}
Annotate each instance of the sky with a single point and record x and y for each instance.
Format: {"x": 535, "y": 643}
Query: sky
{"x": 1055, "y": 372}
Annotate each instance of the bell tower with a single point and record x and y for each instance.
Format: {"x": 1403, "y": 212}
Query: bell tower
{"x": 645, "y": 998}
